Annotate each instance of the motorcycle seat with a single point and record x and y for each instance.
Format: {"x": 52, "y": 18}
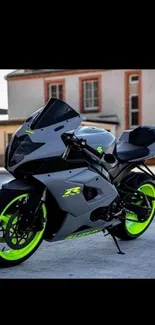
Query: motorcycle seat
{"x": 125, "y": 151}
{"x": 142, "y": 136}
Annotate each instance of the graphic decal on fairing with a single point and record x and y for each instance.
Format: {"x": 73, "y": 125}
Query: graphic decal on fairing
{"x": 100, "y": 149}
{"x": 90, "y": 232}
{"x": 72, "y": 191}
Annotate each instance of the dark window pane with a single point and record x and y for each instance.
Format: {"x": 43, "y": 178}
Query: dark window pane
{"x": 134, "y": 102}
{"x": 95, "y": 90}
{"x": 54, "y": 91}
{"x": 96, "y": 85}
{"x": 134, "y": 78}
{"x": 54, "y": 88}
{"x": 60, "y": 92}
{"x": 88, "y": 93}
{"x": 88, "y": 86}
{"x": 134, "y": 118}
{"x": 95, "y": 93}
{"x": 88, "y": 103}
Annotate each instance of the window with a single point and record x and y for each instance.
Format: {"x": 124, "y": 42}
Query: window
{"x": 90, "y": 95}
{"x": 133, "y": 98}
{"x": 134, "y": 111}
{"x": 133, "y": 79}
{"x": 55, "y": 91}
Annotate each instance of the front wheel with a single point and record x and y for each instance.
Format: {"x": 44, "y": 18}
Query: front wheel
{"x": 8, "y": 207}
{"x": 131, "y": 230}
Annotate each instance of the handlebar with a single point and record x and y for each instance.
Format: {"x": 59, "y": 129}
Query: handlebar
{"x": 92, "y": 150}
{"x": 81, "y": 143}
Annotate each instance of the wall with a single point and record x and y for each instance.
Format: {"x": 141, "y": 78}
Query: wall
{"x": 148, "y": 97}
{"x": 24, "y": 97}
{"x": 4, "y": 130}
{"x": 113, "y": 95}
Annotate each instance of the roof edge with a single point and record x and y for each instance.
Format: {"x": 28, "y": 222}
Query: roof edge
{"x": 50, "y": 72}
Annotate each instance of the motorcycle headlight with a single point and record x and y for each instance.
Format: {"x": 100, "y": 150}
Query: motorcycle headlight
{"x": 21, "y": 147}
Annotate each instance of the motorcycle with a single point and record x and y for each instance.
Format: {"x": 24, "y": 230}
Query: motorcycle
{"x": 71, "y": 181}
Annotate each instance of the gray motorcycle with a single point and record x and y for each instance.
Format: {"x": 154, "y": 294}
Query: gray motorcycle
{"x": 71, "y": 181}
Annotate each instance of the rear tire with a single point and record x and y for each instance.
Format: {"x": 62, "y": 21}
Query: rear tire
{"x": 131, "y": 230}
{"x": 10, "y": 258}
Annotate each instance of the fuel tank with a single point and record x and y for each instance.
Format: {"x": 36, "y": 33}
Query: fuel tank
{"x": 98, "y": 138}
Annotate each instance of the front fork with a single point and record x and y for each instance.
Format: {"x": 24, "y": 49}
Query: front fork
{"x": 38, "y": 220}
{"x": 31, "y": 216}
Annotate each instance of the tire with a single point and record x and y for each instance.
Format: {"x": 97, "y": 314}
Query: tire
{"x": 8, "y": 200}
{"x": 131, "y": 230}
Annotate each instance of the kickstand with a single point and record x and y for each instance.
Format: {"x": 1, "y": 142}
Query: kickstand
{"x": 110, "y": 232}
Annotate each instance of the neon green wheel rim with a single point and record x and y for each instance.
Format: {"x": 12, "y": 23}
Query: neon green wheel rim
{"x": 135, "y": 228}
{"x": 13, "y": 255}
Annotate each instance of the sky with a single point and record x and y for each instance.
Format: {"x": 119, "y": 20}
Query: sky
{"x": 3, "y": 88}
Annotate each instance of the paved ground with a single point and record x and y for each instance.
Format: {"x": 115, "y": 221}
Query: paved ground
{"x": 94, "y": 256}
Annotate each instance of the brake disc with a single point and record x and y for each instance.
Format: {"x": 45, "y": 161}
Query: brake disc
{"x": 14, "y": 237}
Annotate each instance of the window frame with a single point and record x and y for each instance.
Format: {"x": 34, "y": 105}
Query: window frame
{"x": 131, "y": 82}
{"x": 53, "y": 82}
{"x": 133, "y": 110}
{"x": 92, "y": 97}
{"x": 91, "y": 78}
{"x": 126, "y": 97}
{"x": 55, "y": 85}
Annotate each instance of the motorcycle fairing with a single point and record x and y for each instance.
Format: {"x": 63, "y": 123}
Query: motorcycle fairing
{"x": 40, "y": 135}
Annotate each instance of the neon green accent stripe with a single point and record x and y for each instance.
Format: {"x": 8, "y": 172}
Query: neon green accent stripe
{"x": 134, "y": 228}
{"x": 29, "y": 131}
{"x": 13, "y": 255}
{"x": 90, "y": 232}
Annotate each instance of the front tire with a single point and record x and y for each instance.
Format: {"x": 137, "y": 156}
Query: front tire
{"x": 11, "y": 257}
{"x": 129, "y": 230}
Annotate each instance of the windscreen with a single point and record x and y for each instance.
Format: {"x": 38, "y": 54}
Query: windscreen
{"x": 54, "y": 112}
{"x": 26, "y": 141}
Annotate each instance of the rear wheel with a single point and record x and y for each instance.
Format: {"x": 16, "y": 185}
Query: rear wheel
{"x": 131, "y": 230}
{"x": 8, "y": 207}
